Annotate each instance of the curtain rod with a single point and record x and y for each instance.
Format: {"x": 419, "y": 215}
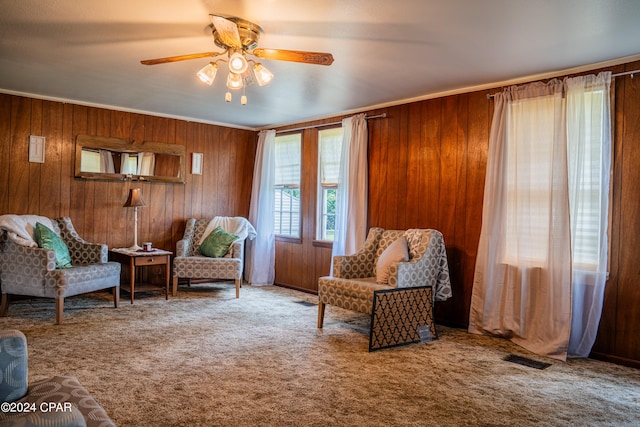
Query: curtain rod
{"x": 379, "y": 116}
{"x": 626, "y": 73}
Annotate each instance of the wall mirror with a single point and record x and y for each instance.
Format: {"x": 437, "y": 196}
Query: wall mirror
{"x": 118, "y": 159}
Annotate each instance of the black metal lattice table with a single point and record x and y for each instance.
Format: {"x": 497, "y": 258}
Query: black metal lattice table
{"x": 402, "y": 316}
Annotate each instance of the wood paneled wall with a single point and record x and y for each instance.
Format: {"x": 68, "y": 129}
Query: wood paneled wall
{"x": 427, "y": 164}
{"x": 95, "y": 207}
{"x": 617, "y": 339}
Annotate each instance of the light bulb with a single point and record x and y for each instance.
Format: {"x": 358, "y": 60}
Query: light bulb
{"x": 263, "y": 76}
{"x": 208, "y": 73}
{"x": 234, "y": 81}
{"x": 237, "y": 63}
{"x": 227, "y": 96}
{"x": 243, "y": 100}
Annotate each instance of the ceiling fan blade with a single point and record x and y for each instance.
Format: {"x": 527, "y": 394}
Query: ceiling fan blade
{"x": 318, "y": 58}
{"x": 227, "y": 31}
{"x": 178, "y": 58}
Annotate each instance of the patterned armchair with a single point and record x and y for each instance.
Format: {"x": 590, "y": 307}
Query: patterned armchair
{"x": 353, "y": 283}
{"x": 32, "y": 271}
{"x": 188, "y": 263}
{"x": 74, "y": 406}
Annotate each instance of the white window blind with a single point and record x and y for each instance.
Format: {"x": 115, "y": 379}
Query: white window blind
{"x": 530, "y": 130}
{"x": 287, "y": 153}
{"x": 287, "y": 185}
{"x": 329, "y": 153}
{"x": 585, "y": 178}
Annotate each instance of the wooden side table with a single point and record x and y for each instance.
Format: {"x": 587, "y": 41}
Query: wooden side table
{"x": 135, "y": 259}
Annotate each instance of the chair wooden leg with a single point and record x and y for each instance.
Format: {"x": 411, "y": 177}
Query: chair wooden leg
{"x": 238, "y": 288}
{"x": 174, "y": 291}
{"x": 59, "y": 310}
{"x": 4, "y": 307}
{"x": 116, "y": 296}
{"x": 320, "y": 314}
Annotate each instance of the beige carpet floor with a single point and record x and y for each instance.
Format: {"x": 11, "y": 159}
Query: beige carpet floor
{"x": 206, "y": 358}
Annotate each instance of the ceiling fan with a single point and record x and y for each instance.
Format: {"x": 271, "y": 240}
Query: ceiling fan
{"x": 239, "y": 38}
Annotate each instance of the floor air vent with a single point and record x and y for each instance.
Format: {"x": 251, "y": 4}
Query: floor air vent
{"x": 526, "y": 362}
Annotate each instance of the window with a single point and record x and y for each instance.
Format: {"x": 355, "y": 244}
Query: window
{"x": 129, "y": 164}
{"x": 96, "y": 161}
{"x": 90, "y": 161}
{"x": 529, "y": 168}
{"x": 287, "y": 185}
{"x": 530, "y": 173}
{"x": 586, "y": 169}
{"x": 329, "y": 152}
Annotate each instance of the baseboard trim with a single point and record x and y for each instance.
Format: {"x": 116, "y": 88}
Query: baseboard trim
{"x": 615, "y": 359}
{"x": 295, "y": 288}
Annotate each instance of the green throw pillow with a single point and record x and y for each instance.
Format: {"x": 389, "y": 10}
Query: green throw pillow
{"x": 217, "y": 243}
{"x": 48, "y": 239}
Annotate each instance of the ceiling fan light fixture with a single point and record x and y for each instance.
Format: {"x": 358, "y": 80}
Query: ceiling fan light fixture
{"x": 207, "y": 74}
{"x": 263, "y": 76}
{"x": 237, "y": 63}
{"x": 234, "y": 81}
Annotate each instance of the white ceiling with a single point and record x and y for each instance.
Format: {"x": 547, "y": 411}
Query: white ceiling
{"x": 386, "y": 51}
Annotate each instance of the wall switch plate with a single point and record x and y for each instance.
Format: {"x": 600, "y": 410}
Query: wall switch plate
{"x": 196, "y": 164}
{"x": 36, "y": 149}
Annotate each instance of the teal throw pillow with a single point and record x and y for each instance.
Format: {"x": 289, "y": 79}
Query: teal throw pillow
{"x": 217, "y": 243}
{"x": 48, "y": 239}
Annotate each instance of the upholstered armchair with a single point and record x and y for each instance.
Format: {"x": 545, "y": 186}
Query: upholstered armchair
{"x": 191, "y": 264}
{"x": 59, "y": 401}
{"x": 32, "y": 271}
{"x": 389, "y": 259}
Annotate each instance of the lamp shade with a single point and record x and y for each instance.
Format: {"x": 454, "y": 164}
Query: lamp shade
{"x": 234, "y": 81}
{"x": 263, "y": 76}
{"x": 208, "y": 73}
{"x": 135, "y": 199}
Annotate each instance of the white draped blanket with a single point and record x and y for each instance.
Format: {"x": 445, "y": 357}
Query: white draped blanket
{"x": 20, "y": 228}
{"x": 237, "y": 225}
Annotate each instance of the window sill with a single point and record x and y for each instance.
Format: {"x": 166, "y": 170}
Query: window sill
{"x": 323, "y": 243}
{"x": 288, "y": 239}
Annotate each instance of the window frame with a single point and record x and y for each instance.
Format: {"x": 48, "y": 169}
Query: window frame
{"x": 320, "y": 214}
{"x": 581, "y": 261}
{"x": 289, "y": 186}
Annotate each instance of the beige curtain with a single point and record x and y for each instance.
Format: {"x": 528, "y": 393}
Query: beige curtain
{"x": 589, "y": 164}
{"x": 351, "y": 196}
{"x": 522, "y": 280}
{"x": 146, "y": 164}
{"x": 542, "y": 259}
{"x": 106, "y": 162}
{"x": 260, "y": 259}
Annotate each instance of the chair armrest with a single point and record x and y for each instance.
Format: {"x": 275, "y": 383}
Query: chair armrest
{"x": 352, "y": 266}
{"x": 13, "y": 365}
{"x": 362, "y": 263}
{"x": 182, "y": 247}
{"x": 429, "y": 268}
{"x": 237, "y": 249}
{"x": 409, "y": 274}
{"x": 15, "y": 257}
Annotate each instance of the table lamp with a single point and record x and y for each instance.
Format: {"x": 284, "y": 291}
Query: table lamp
{"x": 135, "y": 201}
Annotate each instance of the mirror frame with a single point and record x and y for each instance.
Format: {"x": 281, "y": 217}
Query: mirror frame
{"x": 124, "y": 146}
